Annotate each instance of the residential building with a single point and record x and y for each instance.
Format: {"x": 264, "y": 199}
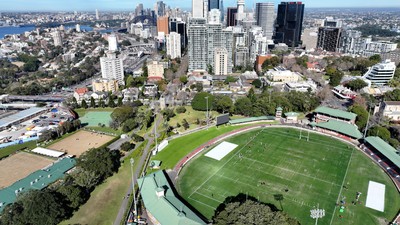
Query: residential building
{"x": 105, "y": 85}
{"x": 231, "y": 16}
{"x": 331, "y": 22}
{"x": 309, "y": 38}
{"x": 351, "y": 42}
{"x": 173, "y": 45}
{"x": 289, "y": 23}
{"x": 112, "y": 42}
{"x": 391, "y": 110}
{"x": 78, "y": 28}
{"x": 217, "y": 37}
{"x": 155, "y": 71}
{"x": 329, "y": 38}
{"x": 241, "y": 57}
{"x": 112, "y": 68}
{"x": 79, "y": 94}
{"x": 162, "y": 24}
{"x": 280, "y": 75}
{"x": 57, "y": 38}
{"x": 198, "y": 8}
{"x": 221, "y": 61}
{"x": 377, "y": 47}
{"x": 265, "y": 17}
{"x": 381, "y": 73}
{"x": 303, "y": 86}
{"x": 197, "y": 44}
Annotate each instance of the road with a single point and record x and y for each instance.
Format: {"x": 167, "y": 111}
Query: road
{"x": 125, "y": 203}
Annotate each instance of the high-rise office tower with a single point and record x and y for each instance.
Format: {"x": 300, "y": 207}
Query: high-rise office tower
{"x": 160, "y": 8}
{"x": 231, "y": 16}
{"x": 173, "y": 45}
{"x": 198, "y": 8}
{"x": 197, "y": 44}
{"x": 220, "y": 61}
{"x": 112, "y": 43}
{"x": 57, "y": 38}
{"x": 213, "y": 4}
{"x": 265, "y": 18}
{"x": 329, "y": 38}
{"x": 240, "y": 15}
{"x": 178, "y": 26}
{"x": 97, "y": 14}
{"x": 78, "y": 28}
{"x": 162, "y": 24}
{"x": 289, "y": 23}
{"x": 139, "y": 10}
{"x": 221, "y": 8}
{"x": 214, "y": 16}
{"x": 112, "y": 68}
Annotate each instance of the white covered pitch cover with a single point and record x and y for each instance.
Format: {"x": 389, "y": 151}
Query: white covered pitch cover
{"x": 376, "y": 196}
{"x": 221, "y": 150}
{"x": 48, "y": 152}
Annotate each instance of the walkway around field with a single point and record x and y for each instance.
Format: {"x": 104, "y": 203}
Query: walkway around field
{"x": 354, "y": 143}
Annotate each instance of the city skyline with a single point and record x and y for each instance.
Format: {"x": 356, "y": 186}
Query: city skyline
{"x": 125, "y": 5}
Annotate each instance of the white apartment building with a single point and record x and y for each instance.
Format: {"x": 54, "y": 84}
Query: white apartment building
{"x": 221, "y": 61}
{"x": 112, "y": 68}
{"x": 112, "y": 43}
{"x": 57, "y": 38}
{"x": 155, "y": 70}
{"x": 381, "y": 73}
{"x": 174, "y": 45}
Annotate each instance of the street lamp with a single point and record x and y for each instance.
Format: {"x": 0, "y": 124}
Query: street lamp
{"x": 133, "y": 190}
{"x": 317, "y": 213}
{"x": 207, "y": 109}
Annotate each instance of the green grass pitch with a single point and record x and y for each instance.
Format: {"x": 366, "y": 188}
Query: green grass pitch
{"x": 275, "y": 161}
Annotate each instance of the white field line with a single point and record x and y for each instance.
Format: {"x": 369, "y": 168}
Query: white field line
{"x": 202, "y": 203}
{"x": 341, "y": 189}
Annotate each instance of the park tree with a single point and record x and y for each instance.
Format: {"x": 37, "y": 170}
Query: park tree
{"x": 102, "y": 104}
{"x": 270, "y": 63}
{"x": 137, "y": 138}
{"x": 362, "y": 115}
{"x": 230, "y": 79}
{"x": 168, "y": 113}
{"x": 199, "y": 101}
{"x": 129, "y": 125}
{"x": 121, "y": 114}
{"x": 127, "y": 146}
{"x": 86, "y": 179}
{"x": 36, "y": 207}
{"x": 393, "y": 95}
{"x": 101, "y": 161}
{"x": 250, "y": 212}
{"x": 185, "y": 124}
{"x": 335, "y": 78}
{"x": 223, "y": 104}
{"x": 243, "y": 106}
{"x": 257, "y": 83}
{"x": 111, "y": 102}
{"x": 183, "y": 79}
{"x": 84, "y": 104}
{"x": 74, "y": 194}
{"x": 356, "y": 85}
{"x": 379, "y": 131}
{"x": 92, "y": 102}
{"x": 120, "y": 102}
{"x": 375, "y": 58}
{"x": 180, "y": 109}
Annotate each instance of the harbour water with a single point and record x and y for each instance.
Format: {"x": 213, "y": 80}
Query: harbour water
{"x": 20, "y": 30}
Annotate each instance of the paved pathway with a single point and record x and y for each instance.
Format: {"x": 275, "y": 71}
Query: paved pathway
{"x": 125, "y": 203}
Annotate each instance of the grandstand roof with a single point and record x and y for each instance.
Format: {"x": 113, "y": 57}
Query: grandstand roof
{"x": 384, "y": 148}
{"x": 291, "y": 114}
{"x": 336, "y": 113}
{"x": 36, "y": 180}
{"x": 340, "y": 127}
{"x": 167, "y": 209}
{"x": 251, "y": 119}
{"x": 20, "y": 115}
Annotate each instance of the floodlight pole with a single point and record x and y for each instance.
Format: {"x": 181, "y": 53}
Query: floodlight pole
{"x": 133, "y": 190}
{"x": 366, "y": 126}
{"x": 207, "y": 109}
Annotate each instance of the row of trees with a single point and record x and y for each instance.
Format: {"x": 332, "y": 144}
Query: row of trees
{"x": 257, "y": 104}
{"x": 129, "y": 118}
{"x": 60, "y": 200}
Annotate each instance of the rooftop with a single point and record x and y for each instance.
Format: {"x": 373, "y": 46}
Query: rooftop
{"x": 36, "y": 180}
{"x": 336, "y": 113}
{"x": 340, "y": 127}
{"x": 20, "y": 115}
{"x": 387, "y": 150}
{"x": 166, "y": 208}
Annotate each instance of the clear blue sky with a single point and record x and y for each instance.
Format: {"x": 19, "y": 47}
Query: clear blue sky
{"x": 88, "y": 5}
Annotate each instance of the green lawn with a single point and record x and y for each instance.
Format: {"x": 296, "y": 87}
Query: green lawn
{"x": 4, "y": 152}
{"x": 106, "y": 199}
{"x": 180, "y": 147}
{"x": 191, "y": 117}
{"x": 277, "y": 162}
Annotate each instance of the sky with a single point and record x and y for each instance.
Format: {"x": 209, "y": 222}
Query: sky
{"x": 129, "y": 5}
